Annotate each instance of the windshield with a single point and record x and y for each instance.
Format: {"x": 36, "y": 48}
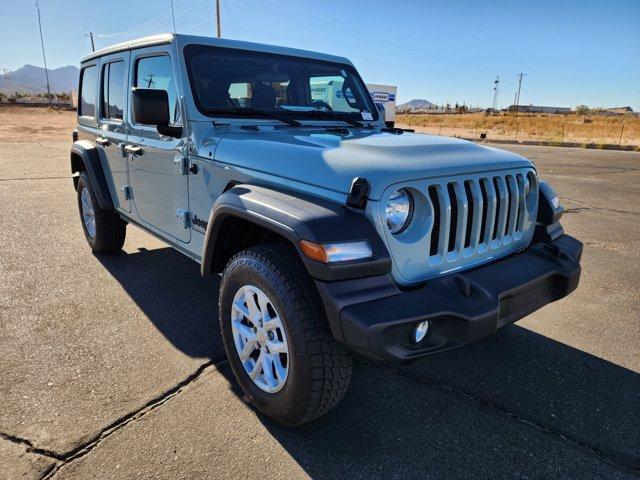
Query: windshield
{"x": 234, "y": 82}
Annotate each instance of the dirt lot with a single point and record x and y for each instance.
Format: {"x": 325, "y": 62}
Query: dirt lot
{"x": 581, "y": 129}
{"x": 112, "y": 366}
{"x": 19, "y": 123}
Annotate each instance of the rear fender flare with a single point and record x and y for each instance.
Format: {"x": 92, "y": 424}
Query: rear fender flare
{"x": 85, "y": 156}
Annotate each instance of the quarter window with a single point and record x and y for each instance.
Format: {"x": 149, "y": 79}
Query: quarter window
{"x": 156, "y": 73}
{"x": 113, "y": 90}
{"x": 88, "y": 93}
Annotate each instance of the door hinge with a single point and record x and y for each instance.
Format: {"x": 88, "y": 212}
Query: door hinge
{"x": 183, "y": 218}
{"x": 126, "y": 192}
{"x": 182, "y": 165}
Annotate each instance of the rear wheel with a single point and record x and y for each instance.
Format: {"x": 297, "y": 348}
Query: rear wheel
{"x": 277, "y": 338}
{"x": 104, "y": 230}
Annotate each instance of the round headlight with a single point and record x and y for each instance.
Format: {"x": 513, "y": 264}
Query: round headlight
{"x": 399, "y": 210}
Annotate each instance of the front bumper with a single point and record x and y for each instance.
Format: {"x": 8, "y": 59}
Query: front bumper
{"x": 377, "y": 319}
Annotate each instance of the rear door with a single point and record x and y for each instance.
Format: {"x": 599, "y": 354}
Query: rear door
{"x": 112, "y": 134}
{"x": 158, "y": 171}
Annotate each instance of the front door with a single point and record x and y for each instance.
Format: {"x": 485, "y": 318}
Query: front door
{"x": 156, "y": 170}
{"x": 111, "y": 134}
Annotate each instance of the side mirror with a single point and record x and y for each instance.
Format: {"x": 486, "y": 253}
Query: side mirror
{"x": 151, "y": 107}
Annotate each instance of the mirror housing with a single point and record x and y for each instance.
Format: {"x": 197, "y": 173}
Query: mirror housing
{"x": 150, "y": 106}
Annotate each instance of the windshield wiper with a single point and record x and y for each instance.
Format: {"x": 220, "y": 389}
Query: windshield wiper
{"x": 254, "y": 112}
{"x": 329, "y": 114}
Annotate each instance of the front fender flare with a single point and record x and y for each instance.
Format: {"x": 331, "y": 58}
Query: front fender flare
{"x": 298, "y": 217}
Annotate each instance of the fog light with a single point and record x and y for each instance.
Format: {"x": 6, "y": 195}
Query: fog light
{"x": 421, "y": 331}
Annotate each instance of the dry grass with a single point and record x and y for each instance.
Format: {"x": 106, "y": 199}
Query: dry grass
{"x": 549, "y": 128}
{"x": 19, "y": 124}
{"x": 37, "y": 124}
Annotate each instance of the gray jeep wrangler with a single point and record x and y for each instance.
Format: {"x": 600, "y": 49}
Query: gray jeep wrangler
{"x": 332, "y": 234}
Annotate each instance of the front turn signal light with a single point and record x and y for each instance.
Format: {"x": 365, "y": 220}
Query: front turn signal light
{"x": 336, "y": 252}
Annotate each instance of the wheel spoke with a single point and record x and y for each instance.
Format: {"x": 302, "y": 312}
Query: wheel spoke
{"x": 257, "y": 367}
{"x": 263, "y": 303}
{"x": 239, "y": 306}
{"x": 254, "y": 311}
{"x": 247, "y": 332}
{"x": 273, "y": 323}
{"x": 267, "y": 369}
{"x": 281, "y": 372}
{"x": 276, "y": 346}
{"x": 249, "y": 347}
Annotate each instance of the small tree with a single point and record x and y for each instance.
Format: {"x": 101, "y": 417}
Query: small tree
{"x": 582, "y": 110}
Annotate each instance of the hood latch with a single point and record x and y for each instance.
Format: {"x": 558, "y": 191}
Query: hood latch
{"x": 358, "y": 194}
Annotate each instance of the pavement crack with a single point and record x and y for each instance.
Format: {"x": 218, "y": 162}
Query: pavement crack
{"x": 620, "y": 460}
{"x": 85, "y": 448}
{"x": 31, "y": 448}
{"x": 584, "y": 206}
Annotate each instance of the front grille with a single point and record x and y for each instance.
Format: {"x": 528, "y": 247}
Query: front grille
{"x": 460, "y": 221}
{"x": 480, "y": 213}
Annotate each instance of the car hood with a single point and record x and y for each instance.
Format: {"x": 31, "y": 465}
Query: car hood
{"x": 331, "y": 160}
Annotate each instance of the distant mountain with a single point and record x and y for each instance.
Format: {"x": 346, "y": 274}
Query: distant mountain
{"x": 31, "y": 79}
{"x": 416, "y": 104}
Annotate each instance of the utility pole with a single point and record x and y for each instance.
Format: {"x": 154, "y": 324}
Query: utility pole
{"x": 173, "y": 17}
{"x": 520, "y": 75}
{"x": 44, "y": 57}
{"x": 496, "y": 83}
{"x": 93, "y": 45}
{"x": 218, "y": 17}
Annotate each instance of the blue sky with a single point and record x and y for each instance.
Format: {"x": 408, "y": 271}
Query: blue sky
{"x": 447, "y": 51}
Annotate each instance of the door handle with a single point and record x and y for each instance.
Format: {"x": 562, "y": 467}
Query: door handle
{"x": 103, "y": 141}
{"x": 133, "y": 150}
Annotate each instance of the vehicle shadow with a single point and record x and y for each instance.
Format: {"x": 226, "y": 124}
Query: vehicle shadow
{"x": 168, "y": 288}
{"x": 516, "y": 405}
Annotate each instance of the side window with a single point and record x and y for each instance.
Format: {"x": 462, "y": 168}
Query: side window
{"x": 156, "y": 72}
{"x": 88, "y": 93}
{"x": 112, "y": 90}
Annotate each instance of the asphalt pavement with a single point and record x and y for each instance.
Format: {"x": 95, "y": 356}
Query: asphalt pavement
{"x": 112, "y": 366}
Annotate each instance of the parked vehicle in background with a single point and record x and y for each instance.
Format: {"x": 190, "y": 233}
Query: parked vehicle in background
{"x": 333, "y": 234}
{"x": 386, "y": 96}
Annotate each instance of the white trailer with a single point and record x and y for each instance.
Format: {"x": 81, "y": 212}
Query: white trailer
{"x": 386, "y": 95}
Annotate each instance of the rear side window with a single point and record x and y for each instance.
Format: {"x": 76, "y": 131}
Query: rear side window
{"x": 88, "y": 93}
{"x": 113, "y": 90}
{"x": 156, "y": 73}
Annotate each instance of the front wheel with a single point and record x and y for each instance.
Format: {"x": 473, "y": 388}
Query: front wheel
{"x": 277, "y": 338}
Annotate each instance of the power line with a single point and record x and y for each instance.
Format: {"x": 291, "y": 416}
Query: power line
{"x": 44, "y": 57}
{"x": 231, "y": 19}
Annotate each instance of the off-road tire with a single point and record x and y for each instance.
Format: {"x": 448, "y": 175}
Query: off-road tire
{"x": 110, "y": 228}
{"x": 320, "y": 367}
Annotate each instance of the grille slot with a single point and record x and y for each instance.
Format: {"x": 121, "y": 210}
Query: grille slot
{"x": 435, "y": 231}
{"x": 454, "y": 217}
{"x": 467, "y": 233}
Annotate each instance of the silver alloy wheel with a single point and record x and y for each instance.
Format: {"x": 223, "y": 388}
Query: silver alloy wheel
{"x": 88, "y": 213}
{"x": 260, "y": 338}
